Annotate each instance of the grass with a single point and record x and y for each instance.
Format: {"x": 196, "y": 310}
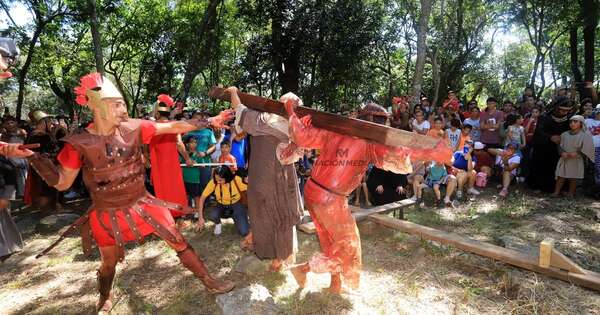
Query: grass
{"x": 401, "y": 273}
{"x": 314, "y": 303}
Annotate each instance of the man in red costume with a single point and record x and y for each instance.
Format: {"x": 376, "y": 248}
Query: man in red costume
{"x": 166, "y": 175}
{"x": 109, "y": 153}
{"x": 337, "y": 171}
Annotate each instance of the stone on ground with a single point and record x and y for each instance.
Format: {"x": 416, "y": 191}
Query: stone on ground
{"x": 251, "y": 300}
{"x": 250, "y": 265}
{"x": 56, "y": 222}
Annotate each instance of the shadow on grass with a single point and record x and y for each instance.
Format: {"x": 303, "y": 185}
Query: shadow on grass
{"x": 314, "y": 303}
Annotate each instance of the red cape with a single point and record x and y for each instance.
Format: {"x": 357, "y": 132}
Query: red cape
{"x": 166, "y": 174}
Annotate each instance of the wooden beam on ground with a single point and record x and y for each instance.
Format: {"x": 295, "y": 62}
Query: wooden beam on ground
{"x": 336, "y": 123}
{"x": 588, "y": 279}
{"x": 361, "y": 214}
{"x": 550, "y": 257}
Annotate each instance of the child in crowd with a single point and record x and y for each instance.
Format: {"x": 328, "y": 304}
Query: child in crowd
{"x": 416, "y": 180}
{"x": 227, "y": 157}
{"x": 475, "y": 124}
{"x": 227, "y": 189}
{"x": 530, "y": 124}
{"x": 419, "y": 124}
{"x": 593, "y": 126}
{"x": 191, "y": 175}
{"x": 439, "y": 176}
{"x": 453, "y": 134}
{"x": 465, "y": 136}
{"x": 508, "y": 160}
{"x": 515, "y": 133}
{"x": 220, "y": 137}
{"x": 438, "y": 128}
{"x": 463, "y": 167}
{"x": 485, "y": 164}
{"x": 575, "y": 145}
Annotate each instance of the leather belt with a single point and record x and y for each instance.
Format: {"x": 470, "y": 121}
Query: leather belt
{"x": 327, "y": 189}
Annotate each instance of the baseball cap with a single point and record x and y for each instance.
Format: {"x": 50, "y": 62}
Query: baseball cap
{"x": 478, "y": 145}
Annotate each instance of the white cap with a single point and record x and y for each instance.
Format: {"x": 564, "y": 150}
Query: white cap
{"x": 478, "y": 145}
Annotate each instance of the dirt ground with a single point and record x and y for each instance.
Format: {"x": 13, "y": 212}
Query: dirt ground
{"x": 401, "y": 274}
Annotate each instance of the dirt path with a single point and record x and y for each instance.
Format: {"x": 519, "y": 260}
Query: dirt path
{"x": 402, "y": 274}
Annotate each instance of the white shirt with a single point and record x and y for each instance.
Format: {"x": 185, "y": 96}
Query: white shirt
{"x": 424, "y": 125}
{"x": 476, "y": 131}
{"x": 515, "y": 159}
{"x": 593, "y": 126}
{"x": 454, "y": 137}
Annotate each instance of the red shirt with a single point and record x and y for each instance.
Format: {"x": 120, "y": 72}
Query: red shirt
{"x": 483, "y": 159}
{"x": 529, "y": 131}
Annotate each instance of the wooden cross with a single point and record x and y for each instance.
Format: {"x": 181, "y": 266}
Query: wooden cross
{"x": 336, "y": 123}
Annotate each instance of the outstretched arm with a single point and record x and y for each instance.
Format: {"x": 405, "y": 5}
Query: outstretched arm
{"x": 60, "y": 176}
{"x": 185, "y": 126}
{"x": 14, "y": 150}
{"x": 397, "y": 159}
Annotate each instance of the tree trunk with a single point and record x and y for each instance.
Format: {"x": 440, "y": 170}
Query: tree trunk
{"x": 542, "y": 76}
{"x": 96, "y": 39}
{"x": 573, "y": 43}
{"x": 23, "y": 71}
{"x": 553, "y": 66}
{"x": 436, "y": 77}
{"x": 590, "y": 11}
{"x": 421, "y": 50}
{"x": 200, "y": 56}
{"x": 408, "y": 62}
{"x": 286, "y": 59}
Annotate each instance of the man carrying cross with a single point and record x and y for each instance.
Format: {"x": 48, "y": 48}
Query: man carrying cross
{"x": 338, "y": 170}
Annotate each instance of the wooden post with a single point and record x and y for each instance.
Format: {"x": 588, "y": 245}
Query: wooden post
{"x": 560, "y": 267}
{"x": 360, "y": 214}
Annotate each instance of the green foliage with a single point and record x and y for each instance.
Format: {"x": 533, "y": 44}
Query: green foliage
{"x": 334, "y": 54}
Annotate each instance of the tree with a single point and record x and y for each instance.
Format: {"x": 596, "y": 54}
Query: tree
{"x": 44, "y": 12}
{"x": 417, "y": 84}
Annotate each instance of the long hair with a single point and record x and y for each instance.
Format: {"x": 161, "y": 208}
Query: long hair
{"x": 225, "y": 173}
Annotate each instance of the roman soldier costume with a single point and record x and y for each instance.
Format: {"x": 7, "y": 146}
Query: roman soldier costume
{"x": 166, "y": 174}
{"x": 122, "y": 210}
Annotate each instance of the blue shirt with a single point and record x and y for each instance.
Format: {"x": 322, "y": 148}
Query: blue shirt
{"x": 437, "y": 172}
{"x": 460, "y": 162}
{"x": 238, "y": 149}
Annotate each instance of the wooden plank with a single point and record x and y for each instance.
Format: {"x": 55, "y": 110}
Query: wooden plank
{"x": 560, "y": 261}
{"x": 360, "y": 214}
{"x": 546, "y": 253}
{"x": 588, "y": 279}
{"x": 550, "y": 257}
{"x": 336, "y": 123}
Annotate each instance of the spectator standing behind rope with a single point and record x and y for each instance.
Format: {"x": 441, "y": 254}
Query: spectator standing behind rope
{"x": 13, "y": 134}
{"x": 37, "y": 191}
{"x": 593, "y": 125}
{"x": 491, "y": 122}
{"x": 546, "y": 140}
{"x": 576, "y": 145}
{"x": 10, "y": 238}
